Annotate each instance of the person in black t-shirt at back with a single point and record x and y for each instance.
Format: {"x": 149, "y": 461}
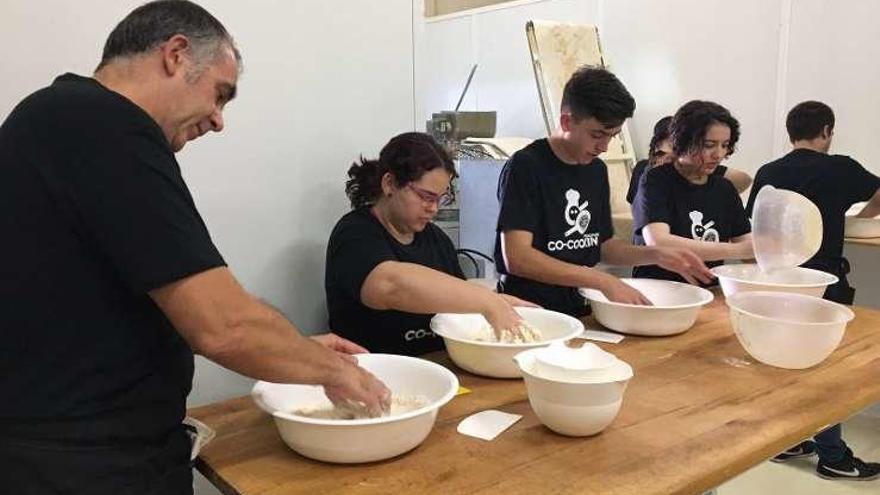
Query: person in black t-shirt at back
{"x": 110, "y": 279}
{"x": 660, "y": 153}
{"x": 685, "y": 203}
{"x": 555, "y": 218}
{"x": 834, "y": 183}
{"x": 389, "y": 269}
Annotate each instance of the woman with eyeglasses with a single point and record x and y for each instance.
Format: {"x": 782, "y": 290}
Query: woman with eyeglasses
{"x": 685, "y": 203}
{"x": 660, "y": 153}
{"x": 389, "y": 269}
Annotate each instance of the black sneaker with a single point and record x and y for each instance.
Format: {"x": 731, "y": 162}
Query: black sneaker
{"x": 850, "y": 468}
{"x": 799, "y": 451}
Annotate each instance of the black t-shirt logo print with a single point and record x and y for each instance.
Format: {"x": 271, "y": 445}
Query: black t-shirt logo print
{"x": 700, "y": 231}
{"x": 576, "y": 213}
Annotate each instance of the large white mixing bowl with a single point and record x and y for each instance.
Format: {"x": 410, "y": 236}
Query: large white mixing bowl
{"x": 360, "y": 440}
{"x": 787, "y": 330}
{"x": 675, "y": 308}
{"x": 749, "y": 277}
{"x": 575, "y": 407}
{"x": 494, "y": 359}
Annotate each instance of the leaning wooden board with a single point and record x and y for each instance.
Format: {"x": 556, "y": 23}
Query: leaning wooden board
{"x": 698, "y": 412}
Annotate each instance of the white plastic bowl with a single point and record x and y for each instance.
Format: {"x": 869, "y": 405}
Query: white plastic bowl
{"x": 749, "y": 277}
{"x": 558, "y": 361}
{"x": 786, "y": 330}
{"x": 575, "y": 408}
{"x": 360, "y": 440}
{"x": 786, "y": 228}
{"x": 860, "y": 228}
{"x": 495, "y": 359}
{"x": 675, "y": 308}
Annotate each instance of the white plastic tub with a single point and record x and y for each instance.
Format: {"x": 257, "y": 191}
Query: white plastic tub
{"x": 360, "y": 440}
{"x": 786, "y": 228}
{"x": 749, "y": 277}
{"x": 493, "y": 359}
{"x": 860, "y": 228}
{"x": 675, "y": 308}
{"x": 787, "y": 330}
{"x": 575, "y": 407}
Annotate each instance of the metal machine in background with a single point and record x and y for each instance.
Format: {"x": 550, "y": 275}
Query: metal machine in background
{"x": 469, "y": 138}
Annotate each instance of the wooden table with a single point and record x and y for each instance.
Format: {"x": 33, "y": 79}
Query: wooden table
{"x": 868, "y": 241}
{"x": 698, "y": 412}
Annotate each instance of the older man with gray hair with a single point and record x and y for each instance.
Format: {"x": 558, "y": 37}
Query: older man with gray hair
{"x": 110, "y": 279}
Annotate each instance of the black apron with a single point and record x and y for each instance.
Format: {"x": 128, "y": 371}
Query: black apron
{"x": 841, "y": 292}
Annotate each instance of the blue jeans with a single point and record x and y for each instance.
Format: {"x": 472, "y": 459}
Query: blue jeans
{"x": 830, "y": 445}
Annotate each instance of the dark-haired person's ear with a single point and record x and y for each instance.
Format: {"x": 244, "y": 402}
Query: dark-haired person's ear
{"x": 827, "y": 132}
{"x": 387, "y": 184}
{"x": 565, "y": 121}
{"x": 175, "y": 54}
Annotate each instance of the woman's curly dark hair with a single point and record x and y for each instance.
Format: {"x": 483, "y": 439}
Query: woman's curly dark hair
{"x": 692, "y": 121}
{"x": 407, "y": 157}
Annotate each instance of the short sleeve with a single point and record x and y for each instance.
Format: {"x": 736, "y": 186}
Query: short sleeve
{"x": 859, "y": 182}
{"x": 606, "y": 225}
{"x": 652, "y": 200}
{"x": 739, "y": 221}
{"x": 133, "y": 203}
{"x": 756, "y": 186}
{"x": 518, "y": 192}
{"x": 637, "y": 173}
{"x": 355, "y": 248}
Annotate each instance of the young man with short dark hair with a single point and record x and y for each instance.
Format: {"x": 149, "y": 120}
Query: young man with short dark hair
{"x": 555, "y": 219}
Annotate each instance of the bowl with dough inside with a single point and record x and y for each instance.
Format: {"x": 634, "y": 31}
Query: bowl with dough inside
{"x": 747, "y": 277}
{"x": 674, "y": 310}
{"x": 312, "y": 426}
{"x": 472, "y": 345}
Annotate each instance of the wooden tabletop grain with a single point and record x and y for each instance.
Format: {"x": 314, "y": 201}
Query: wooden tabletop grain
{"x": 698, "y": 412}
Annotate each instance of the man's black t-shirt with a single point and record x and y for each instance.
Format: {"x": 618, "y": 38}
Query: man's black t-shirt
{"x": 832, "y": 182}
{"x": 710, "y": 212}
{"x": 95, "y": 215}
{"x": 567, "y": 210}
{"x": 639, "y": 170}
{"x": 358, "y": 244}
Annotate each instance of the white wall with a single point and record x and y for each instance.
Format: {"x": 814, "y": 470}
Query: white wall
{"x": 757, "y": 57}
{"x": 670, "y": 52}
{"x": 494, "y": 38}
{"x": 721, "y": 51}
{"x": 833, "y": 55}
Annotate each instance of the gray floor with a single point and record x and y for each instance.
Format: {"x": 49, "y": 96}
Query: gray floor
{"x": 862, "y": 433}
